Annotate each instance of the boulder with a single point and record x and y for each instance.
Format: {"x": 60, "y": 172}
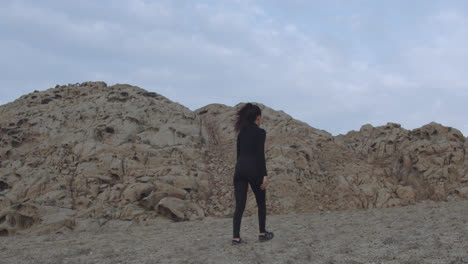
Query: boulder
{"x": 186, "y": 183}
{"x": 170, "y": 190}
{"x": 463, "y": 192}
{"x": 137, "y": 191}
{"x": 406, "y": 194}
{"x": 180, "y": 210}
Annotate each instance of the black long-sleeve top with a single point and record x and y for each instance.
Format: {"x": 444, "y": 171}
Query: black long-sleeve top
{"x": 251, "y": 143}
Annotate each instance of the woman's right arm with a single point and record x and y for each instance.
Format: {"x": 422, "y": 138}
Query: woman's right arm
{"x": 238, "y": 147}
{"x": 261, "y": 153}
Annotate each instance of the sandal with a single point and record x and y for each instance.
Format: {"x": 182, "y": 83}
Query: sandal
{"x": 266, "y": 237}
{"x": 241, "y": 241}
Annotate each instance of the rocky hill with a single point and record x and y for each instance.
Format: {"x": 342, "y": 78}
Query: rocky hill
{"x": 91, "y": 155}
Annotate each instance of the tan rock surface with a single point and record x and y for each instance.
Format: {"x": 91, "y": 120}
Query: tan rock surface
{"x": 92, "y": 153}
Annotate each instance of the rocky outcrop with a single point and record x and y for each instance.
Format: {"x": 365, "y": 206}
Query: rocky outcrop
{"x": 424, "y": 163}
{"x": 99, "y": 152}
{"x": 89, "y": 154}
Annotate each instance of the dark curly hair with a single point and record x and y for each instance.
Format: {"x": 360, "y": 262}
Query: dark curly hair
{"x": 247, "y": 114}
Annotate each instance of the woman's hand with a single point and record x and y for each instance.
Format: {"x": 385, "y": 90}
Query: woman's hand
{"x": 265, "y": 183}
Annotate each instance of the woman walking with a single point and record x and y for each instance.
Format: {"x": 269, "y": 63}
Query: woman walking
{"x": 250, "y": 169}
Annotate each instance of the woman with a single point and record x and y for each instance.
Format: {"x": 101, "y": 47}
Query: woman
{"x": 250, "y": 168}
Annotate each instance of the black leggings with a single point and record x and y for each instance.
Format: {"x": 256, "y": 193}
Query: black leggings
{"x": 240, "y": 193}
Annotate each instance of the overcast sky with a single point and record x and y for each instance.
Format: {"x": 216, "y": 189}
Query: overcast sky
{"x": 335, "y": 65}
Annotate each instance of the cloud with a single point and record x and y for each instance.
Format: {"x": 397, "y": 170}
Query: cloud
{"x": 336, "y": 68}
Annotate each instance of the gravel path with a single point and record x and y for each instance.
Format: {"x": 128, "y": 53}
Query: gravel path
{"x": 423, "y": 233}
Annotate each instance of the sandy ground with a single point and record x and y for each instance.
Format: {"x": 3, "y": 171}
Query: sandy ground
{"x": 423, "y": 233}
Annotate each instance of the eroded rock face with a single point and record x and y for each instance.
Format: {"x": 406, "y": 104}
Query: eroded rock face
{"x": 89, "y": 154}
{"x": 424, "y": 163}
{"x": 100, "y": 152}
